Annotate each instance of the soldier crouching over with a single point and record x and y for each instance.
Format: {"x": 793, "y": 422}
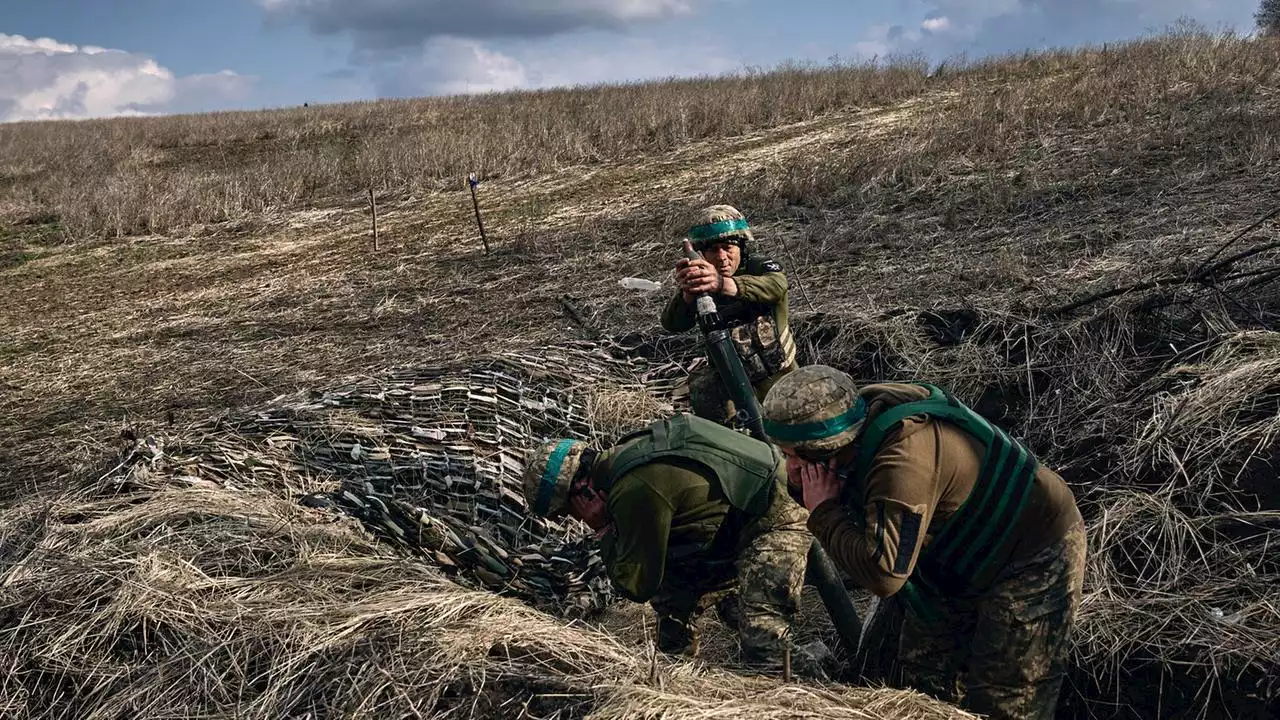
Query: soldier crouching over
{"x": 751, "y": 295}
{"x": 688, "y": 511}
{"x": 915, "y": 495}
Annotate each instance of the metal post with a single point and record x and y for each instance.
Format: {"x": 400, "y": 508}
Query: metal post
{"x": 373, "y": 209}
{"x": 473, "y": 181}
{"x": 821, "y": 573}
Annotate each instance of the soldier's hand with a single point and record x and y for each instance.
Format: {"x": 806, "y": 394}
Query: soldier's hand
{"x": 590, "y": 508}
{"x": 698, "y": 277}
{"x": 681, "y": 275}
{"x": 818, "y": 480}
{"x": 690, "y": 271}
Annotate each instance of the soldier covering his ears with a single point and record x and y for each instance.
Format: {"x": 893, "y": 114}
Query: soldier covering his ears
{"x": 916, "y": 496}
{"x": 688, "y": 512}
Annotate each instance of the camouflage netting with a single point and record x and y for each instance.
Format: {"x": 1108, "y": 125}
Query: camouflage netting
{"x": 152, "y": 595}
{"x": 430, "y": 459}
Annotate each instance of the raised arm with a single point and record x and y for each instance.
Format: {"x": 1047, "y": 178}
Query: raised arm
{"x": 898, "y": 505}
{"x": 763, "y": 282}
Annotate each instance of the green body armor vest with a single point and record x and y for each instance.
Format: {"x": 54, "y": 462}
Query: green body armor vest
{"x": 746, "y": 468}
{"x": 959, "y": 558}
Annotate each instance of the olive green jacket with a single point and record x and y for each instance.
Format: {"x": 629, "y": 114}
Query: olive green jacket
{"x": 762, "y": 288}
{"x": 671, "y": 487}
{"x": 757, "y": 315}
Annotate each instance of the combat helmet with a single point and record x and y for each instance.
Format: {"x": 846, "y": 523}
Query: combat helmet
{"x": 719, "y": 223}
{"x": 548, "y": 474}
{"x": 815, "y": 410}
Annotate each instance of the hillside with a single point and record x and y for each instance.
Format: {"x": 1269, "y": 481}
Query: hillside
{"x": 1081, "y": 243}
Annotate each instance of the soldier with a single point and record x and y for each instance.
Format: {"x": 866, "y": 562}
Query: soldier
{"x": 751, "y": 295}
{"x": 688, "y": 511}
{"x": 916, "y": 496}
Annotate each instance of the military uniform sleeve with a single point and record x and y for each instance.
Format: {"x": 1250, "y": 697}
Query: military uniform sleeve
{"x": 678, "y": 315}
{"x": 762, "y": 281}
{"x": 898, "y": 504}
{"x": 636, "y": 547}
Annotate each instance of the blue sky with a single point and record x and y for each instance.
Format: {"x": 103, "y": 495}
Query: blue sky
{"x": 85, "y": 58}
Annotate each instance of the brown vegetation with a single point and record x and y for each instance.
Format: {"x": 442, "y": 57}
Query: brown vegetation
{"x": 144, "y": 601}
{"x": 941, "y": 226}
{"x": 138, "y": 176}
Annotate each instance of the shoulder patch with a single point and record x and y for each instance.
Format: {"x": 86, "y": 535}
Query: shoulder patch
{"x": 771, "y": 266}
{"x": 908, "y": 537}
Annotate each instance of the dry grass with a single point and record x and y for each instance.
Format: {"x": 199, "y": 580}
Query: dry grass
{"x": 232, "y": 313}
{"x": 939, "y": 226}
{"x": 137, "y": 176}
{"x": 119, "y": 178}
{"x": 1184, "y": 600}
{"x": 145, "y": 600}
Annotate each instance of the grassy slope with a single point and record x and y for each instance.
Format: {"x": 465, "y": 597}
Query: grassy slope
{"x": 1014, "y": 183}
{"x": 998, "y": 191}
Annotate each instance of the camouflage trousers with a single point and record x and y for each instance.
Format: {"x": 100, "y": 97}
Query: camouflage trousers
{"x": 757, "y": 591}
{"x": 1003, "y": 654}
{"x": 708, "y": 398}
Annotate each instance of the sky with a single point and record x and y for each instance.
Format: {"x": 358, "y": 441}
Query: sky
{"x": 102, "y": 58}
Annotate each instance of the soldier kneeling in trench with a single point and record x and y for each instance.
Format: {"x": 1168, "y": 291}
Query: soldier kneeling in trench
{"x": 688, "y": 511}
{"x": 916, "y": 496}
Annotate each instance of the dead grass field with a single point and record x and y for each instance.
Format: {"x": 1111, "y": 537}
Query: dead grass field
{"x": 156, "y": 272}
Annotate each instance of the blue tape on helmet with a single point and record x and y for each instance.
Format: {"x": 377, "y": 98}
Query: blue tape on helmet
{"x": 550, "y": 477}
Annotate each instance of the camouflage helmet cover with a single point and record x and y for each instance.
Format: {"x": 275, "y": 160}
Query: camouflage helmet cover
{"x": 548, "y": 472}
{"x": 815, "y": 410}
{"x": 719, "y": 223}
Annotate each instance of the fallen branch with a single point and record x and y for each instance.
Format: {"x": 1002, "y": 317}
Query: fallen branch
{"x": 1236, "y": 238}
{"x": 1223, "y": 264}
{"x": 576, "y": 316}
{"x": 1123, "y": 290}
{"x": 1203, "y": 275}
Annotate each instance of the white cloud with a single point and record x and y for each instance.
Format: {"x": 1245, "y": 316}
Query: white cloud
{"x": 43, "y": 79}
{"x": 439, "y": 47}
{"x": 448, "y": 66}
{"x": 625, "y": 59}
{"x": 881, "y": 41}
{"x": 396, "y": 24}
{"x": 936, "y": 24}
{"x": 210, "y": 91}
{"x": 980, "y": 27}
{"x": 875, "y": 42}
